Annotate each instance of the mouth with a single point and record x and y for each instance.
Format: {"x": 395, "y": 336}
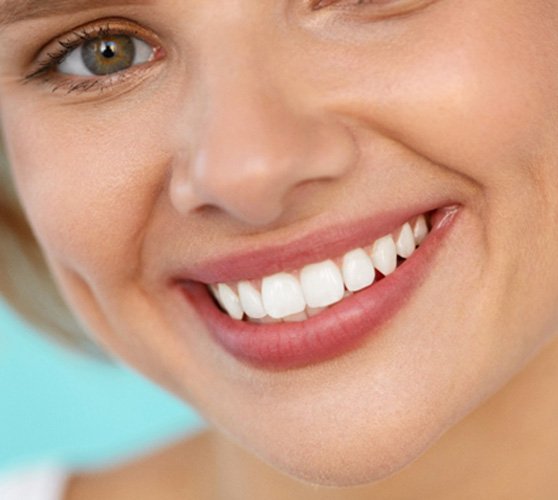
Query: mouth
{"x": 297, "y": 315}
{"x": 297, "y": 295}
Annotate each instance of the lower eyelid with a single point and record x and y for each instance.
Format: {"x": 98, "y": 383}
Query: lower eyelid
{"x": 121, "y": 81}
{"x": 108, "y": 86}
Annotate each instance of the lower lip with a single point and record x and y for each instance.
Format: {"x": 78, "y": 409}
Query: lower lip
{"x": 338, "y": 329}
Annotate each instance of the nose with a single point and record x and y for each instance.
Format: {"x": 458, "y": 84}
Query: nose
{"x": 254, "y": 147}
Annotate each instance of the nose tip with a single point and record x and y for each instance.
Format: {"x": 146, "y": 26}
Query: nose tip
{"x": 250, "y": 173}
{"x": 241, "y": 193}
{"x": 248, "y": 189}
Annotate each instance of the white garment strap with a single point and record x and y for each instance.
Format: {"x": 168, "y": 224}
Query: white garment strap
{"x": 39, "y": 483}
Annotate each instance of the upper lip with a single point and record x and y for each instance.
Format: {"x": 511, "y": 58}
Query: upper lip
{"x": 314, "y": 246}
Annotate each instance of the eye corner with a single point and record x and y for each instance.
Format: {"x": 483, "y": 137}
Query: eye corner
{"x": 159, "y": 53}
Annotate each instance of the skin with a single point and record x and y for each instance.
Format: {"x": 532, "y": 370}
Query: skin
{"x": 263, "y": 121}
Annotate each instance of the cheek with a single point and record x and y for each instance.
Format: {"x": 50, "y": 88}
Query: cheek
{"x": 89, "y": 195}
{"x": 481, "y": 104}
{"x": 466, "y": 94}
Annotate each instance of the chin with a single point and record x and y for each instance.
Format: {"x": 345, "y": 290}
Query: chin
{"x": 350, "y": 464}
{"x": 349, "y": 454}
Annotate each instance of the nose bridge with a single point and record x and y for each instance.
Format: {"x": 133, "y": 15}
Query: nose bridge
{"x": 240, "y": 94}
{"x": 248, "y": 133}
{"x": 252, "y": 145}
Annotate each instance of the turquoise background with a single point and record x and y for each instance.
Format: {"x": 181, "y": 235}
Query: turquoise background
{"x": 61, "y": 407}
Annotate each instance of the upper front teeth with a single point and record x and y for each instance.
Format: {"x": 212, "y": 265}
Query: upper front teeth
{"x": 298, "y": 295}
{"x": 322, "y": 284}
{"x": 282, "y": 295}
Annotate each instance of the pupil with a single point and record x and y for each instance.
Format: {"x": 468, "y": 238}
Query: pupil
{"x": 108, "y": 49}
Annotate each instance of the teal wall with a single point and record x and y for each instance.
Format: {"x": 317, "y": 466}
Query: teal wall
{"x": 58, "y": 406}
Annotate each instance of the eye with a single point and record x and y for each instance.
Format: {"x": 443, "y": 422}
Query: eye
{"x": 105, "y": 55}
{"x": 98, "y": 57}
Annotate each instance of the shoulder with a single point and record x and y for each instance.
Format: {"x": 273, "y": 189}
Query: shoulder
{"x": 36, "y": 483}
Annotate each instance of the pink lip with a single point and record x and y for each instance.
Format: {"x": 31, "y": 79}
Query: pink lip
{"x": 319, "y": 245}
{"x": 338, "y": 329}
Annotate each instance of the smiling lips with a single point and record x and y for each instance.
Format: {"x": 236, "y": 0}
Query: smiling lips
{"x": 298, "y": 295}
{"x": 293, "y": 319}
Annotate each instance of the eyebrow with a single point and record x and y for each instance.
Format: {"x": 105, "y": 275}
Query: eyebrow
{"x": 13, "y": 11}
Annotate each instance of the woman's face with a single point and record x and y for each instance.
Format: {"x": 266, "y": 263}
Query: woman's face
{"x": 230, "y": 141}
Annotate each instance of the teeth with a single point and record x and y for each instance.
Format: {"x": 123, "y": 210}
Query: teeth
{"x": 230, "y": 301}
{"x": 358, "y": 270}
{"x": 322, "y": 284}
{"x": 405, "y": 243}
{"x": 313, "y": 311}
{"x": 286, "y": 298}
{"x": 384, "y": 255}
{"x": 282, "y": 295}
{"x": 267, "y": 319}
{"x": 215, "y": 291}
{"x": 251, "y": 300}
{"x": 420, "y": 230}
{"x": 293, "y": 318}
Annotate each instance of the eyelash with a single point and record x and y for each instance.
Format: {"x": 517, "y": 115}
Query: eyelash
{"x": 46, "y": 68}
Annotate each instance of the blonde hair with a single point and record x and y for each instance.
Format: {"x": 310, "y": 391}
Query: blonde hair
{"x": 25, "y": 281}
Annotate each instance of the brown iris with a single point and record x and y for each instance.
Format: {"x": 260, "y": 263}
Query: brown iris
{"x": 109, "y": 54}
